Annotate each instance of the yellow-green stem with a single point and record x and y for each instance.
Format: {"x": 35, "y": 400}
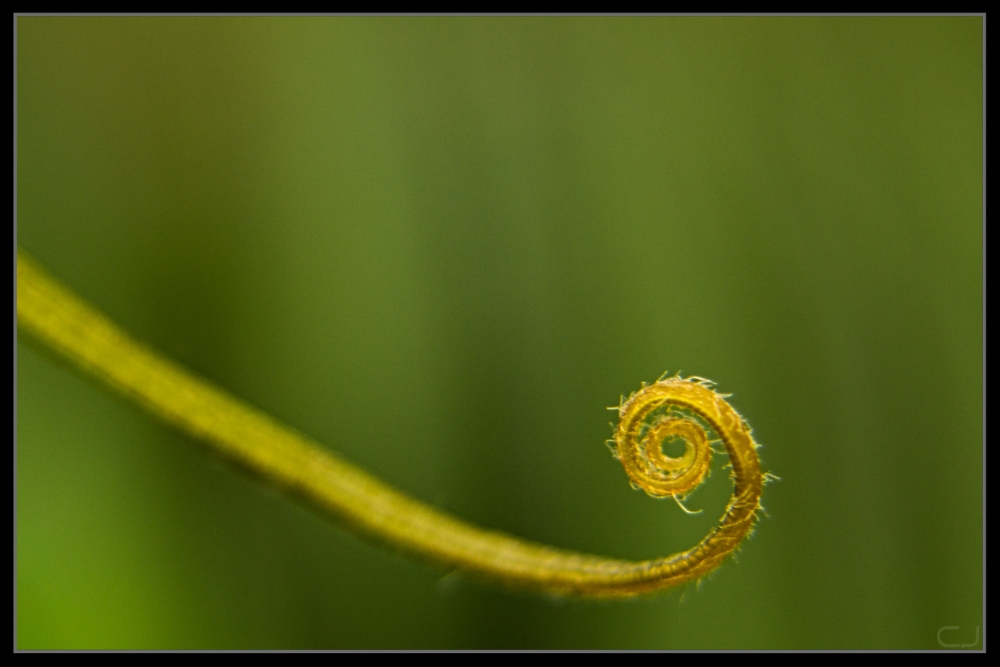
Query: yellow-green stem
{"x": 307, "y": 471}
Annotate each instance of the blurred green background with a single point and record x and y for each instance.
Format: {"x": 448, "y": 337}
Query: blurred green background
{"x": 507, "y": 224}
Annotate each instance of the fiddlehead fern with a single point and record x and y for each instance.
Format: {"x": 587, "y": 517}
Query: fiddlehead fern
{"x": 682, "y": 408}
{"x": 669, "y": 408}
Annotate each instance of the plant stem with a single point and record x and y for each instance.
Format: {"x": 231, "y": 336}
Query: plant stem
{"x": 304, "y": 469}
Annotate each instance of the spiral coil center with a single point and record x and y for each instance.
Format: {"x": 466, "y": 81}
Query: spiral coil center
{"x": 648, "y": 420}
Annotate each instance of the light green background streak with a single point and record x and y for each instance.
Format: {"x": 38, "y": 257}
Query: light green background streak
{"x": 508, "y": 223}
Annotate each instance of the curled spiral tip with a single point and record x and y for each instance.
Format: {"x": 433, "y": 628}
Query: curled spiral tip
{"x": 686, "y": 410}
{"x": 648, "y": 420}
